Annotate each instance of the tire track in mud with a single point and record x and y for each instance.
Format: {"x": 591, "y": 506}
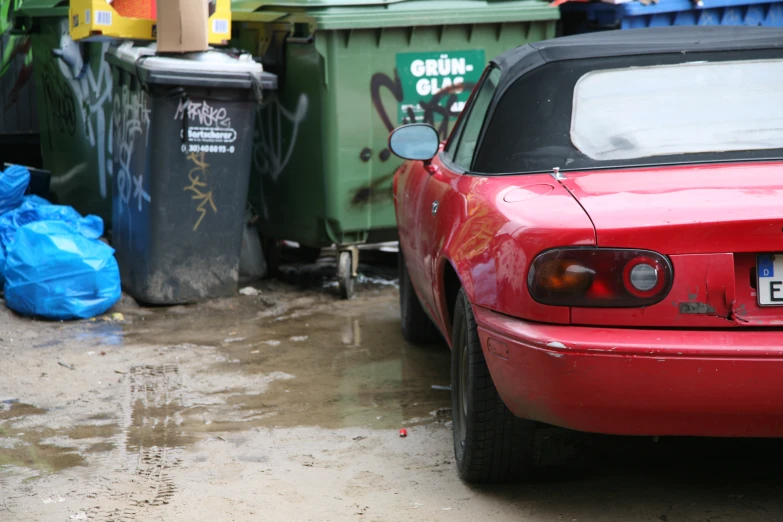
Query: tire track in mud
{"x": 151, "y": 428}
{"x": 6, "y": 503}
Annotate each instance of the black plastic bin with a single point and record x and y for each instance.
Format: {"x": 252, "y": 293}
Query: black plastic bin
{"x": 182, "y": 135}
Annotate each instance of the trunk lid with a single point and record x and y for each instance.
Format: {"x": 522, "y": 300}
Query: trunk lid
{"x": 685, "y": 210}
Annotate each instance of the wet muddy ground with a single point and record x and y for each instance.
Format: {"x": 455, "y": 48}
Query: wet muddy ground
{"x": 286, "y": 405}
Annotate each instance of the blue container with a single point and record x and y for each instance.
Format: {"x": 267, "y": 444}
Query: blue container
{"x": 587, "y": 17}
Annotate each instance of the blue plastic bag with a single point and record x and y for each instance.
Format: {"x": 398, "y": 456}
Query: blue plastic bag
{"x": 13, "y": 184}
{"x": 32, "y": 200}
{"x": 33, "y": 209}
{"x": 59, "y": 270}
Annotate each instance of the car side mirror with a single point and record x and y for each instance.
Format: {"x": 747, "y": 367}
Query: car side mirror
{"x": 417, "y": 141}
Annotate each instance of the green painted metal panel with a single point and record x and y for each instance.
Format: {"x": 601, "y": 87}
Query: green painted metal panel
{"x": 73, "y": 88}
{"x": 322, "y": 173}
{"x": 41, "y": 8}
{"x": 392, "y": 14}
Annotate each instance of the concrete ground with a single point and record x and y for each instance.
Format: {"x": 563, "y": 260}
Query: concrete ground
{"x": 286, "y": 405}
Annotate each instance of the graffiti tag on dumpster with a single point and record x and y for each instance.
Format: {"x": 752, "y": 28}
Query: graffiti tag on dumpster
{"x": 428, "y": 88}
{"x": 209, "y": 128}
{"x": 130, "y": 120}
{"x": 84, "y": 72}
{"x": 198, "y": 185}
{"x": 426, "y": 75}
{"x": 60, "y": 100}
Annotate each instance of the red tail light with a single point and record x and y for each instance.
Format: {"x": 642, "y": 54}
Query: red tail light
{"x": 598, "y": 277}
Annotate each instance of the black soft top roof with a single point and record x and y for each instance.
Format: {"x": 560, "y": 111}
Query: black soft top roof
{"x": 528, "y": 125}
{"x": 631, "y": 42}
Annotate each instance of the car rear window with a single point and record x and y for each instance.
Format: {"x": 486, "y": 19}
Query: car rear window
{"x": 629, "y": 111}
{"x": 679, "y": 109}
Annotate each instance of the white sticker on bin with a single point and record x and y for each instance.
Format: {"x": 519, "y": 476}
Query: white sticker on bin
{"x": 102, "y": 17}
{"x": 220, "y": 26}
{"x": 209, "y": 128}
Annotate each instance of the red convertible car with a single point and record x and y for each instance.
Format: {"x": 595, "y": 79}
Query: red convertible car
{"x": 600, "y": 241}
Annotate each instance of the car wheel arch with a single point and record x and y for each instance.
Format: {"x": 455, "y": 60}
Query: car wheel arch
{"x": 450, "y": 282}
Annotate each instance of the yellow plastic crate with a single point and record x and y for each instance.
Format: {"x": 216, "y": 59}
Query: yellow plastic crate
{"x": 96, "y": 20}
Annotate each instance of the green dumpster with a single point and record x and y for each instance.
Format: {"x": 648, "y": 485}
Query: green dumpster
{"x": 73, "y": 90}
{"x": 349, "y": 72}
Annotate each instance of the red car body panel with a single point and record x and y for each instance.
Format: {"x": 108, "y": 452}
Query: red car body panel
{"x": 688, "y": 365}
{"x": 489, "y": 241}
{"x": 636, "y": 381}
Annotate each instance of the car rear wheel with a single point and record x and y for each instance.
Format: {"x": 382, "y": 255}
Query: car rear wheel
{"x": 491, "y": 445}
{"x": 417, "y": 327}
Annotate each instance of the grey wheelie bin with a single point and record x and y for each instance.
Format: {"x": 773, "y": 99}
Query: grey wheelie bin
{"x": 183, "y": 135}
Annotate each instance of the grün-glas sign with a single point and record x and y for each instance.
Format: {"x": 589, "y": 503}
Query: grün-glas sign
{"x": 436, "y": 84}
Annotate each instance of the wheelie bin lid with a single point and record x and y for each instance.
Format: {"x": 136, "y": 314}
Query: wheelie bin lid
{"x": 357, "y": 14}
{"x": 201, "y": 69}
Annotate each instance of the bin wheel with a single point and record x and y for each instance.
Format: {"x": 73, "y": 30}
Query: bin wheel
{"x": 345, "y": 277}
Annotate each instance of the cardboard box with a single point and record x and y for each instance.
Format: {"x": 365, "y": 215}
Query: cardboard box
{"x": 97, "y": 20}
{"x": 182, "y": 26}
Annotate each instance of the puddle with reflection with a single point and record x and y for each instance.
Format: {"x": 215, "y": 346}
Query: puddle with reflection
{"x": 11, "y": 409}
{"x": 351, "y": 367}
{"x": 27, "y": 448}
{"x": 344, "y": 367}
{"x": 40, "y": 457}
{"x": 101, "y": 333}
{"x": 46, "y": 449}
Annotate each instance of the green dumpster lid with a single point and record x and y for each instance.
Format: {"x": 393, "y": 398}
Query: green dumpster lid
{"x": 357, "y": 14}
{"x": 38, "y": 8}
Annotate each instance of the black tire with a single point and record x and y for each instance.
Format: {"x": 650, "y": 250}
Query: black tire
{"x": 417, "y": 327}
{"x": 491, "y": 445}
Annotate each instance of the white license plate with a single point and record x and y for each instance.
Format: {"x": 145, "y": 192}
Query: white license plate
{"x": 770, "y": 279}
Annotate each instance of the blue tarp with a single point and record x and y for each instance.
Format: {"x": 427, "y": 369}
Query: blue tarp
{"x": 59, "y": 270}
{"x": 33, "y": 209}
{"x": 13, "y": 184}
{"x": 51, "y": 258}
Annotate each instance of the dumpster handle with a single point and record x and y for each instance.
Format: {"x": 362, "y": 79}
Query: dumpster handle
{"x": 142, "y": 83}
{"x": 258, "y": 87}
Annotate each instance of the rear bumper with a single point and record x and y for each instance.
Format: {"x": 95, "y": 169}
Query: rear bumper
{"x": 637, "y": 382}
